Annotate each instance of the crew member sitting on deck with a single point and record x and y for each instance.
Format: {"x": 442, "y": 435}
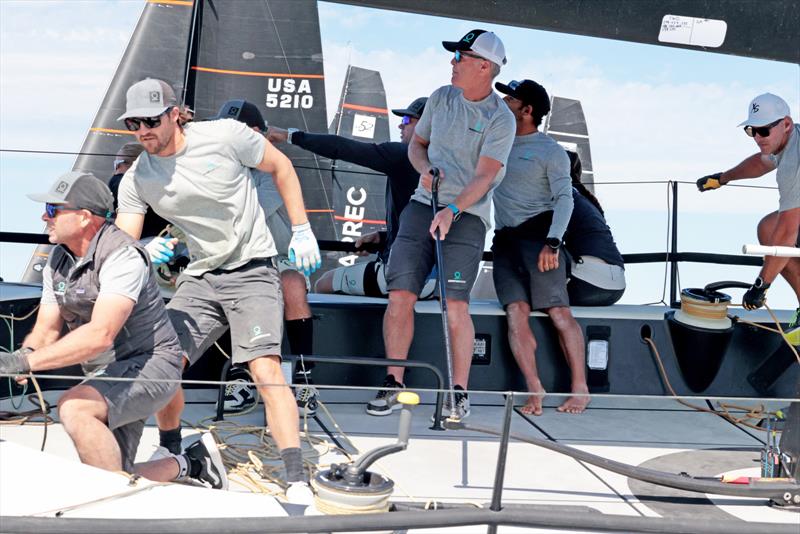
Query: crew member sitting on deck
{"x": 199, "y": 178}
{"x": 296, "y": 311}
{"x": 596, "y": 271}
{"x": 770, "y": 124}
{"x": 532, "y": 206}
{"x": 98, "y": 284}
{"x": 390, "y": 158}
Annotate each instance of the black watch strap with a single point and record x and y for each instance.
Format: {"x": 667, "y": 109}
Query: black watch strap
{"x": 553, "y": 242}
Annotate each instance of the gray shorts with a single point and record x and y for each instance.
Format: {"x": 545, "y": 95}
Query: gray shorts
{"x": 248, "y": 300}
{"x": 413, "y": 253}
{"x": 517, "y": 276}
{"x": 131, "y": 403}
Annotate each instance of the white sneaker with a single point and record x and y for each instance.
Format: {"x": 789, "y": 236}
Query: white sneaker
{"x": 299, "y": 493}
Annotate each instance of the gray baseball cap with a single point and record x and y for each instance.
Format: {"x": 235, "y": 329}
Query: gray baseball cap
{"x": 414, "y": 109}
{"x": 127, "y": 154}
{"x": 81, "y": 190}
{"x": 148, "y": 98}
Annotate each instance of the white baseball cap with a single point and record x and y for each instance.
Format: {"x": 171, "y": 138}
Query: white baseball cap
{"x": 148, "y": 98}
{"x": 766, "y": 109}
{"x": 486, "y": 44}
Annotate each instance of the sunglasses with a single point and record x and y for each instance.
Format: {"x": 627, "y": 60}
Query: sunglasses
{"x": 52, "y": 209}
{"x": 406, "y": 120}
{"x": 761, "y": 131}
{"x": 460, "y": 55}
{"x": 134, "y": 123}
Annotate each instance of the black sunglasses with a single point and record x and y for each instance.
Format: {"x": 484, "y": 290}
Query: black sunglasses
{"x": 134, "y": 123}
{"x": 762, "y": 131}
{"x": 460, "y": 54}
{"x": 52, "y": 209}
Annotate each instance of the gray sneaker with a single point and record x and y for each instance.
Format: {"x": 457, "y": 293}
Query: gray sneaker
{"x": 306, "y": 397}
{"x": 385, "y": 402}
{"x": 462, "y": 406}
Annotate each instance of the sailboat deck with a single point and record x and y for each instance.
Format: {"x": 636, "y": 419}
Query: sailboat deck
{"x": 456, "y": 466}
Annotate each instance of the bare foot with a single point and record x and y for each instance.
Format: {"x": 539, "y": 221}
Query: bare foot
{"x": 576, "y": 404}
{"x": 534, "y": 404}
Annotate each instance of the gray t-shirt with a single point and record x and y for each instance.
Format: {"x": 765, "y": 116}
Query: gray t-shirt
{"x": 207, "y": 191}
{"x": 124, "y": 273}
{"x": 460, "y": 132}
{"x": 788, "y": 173}
{"x": 537, "y": 180}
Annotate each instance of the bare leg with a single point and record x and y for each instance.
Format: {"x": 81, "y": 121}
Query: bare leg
{"x": 324, "y": 283}
{"x": 523, "y": 347}
{"x": 162, "y": 470}
{"x": 84, "y": 414}
{"x": 398, "y": 328}
{"x": 295, "y": 300}
{"x": 766, "y": 228}
{"x": 462, "y": 340}
{"x": 570, "y": 337}
{"x": 279, "y": 401}
{"x": 169, "y": 416}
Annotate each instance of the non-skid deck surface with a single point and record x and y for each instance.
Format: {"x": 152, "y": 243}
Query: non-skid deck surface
{"x": 455, "y": 466}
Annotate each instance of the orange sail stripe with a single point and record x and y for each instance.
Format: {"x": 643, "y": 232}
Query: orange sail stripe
{"x": 264, "y": 74}
{"x": 172, "y": 2}
{"x": 365, "y": 108}
{"x": 366, "y": 221}
{"x": 109, "y": 130}
{"x": 319, "y": 211}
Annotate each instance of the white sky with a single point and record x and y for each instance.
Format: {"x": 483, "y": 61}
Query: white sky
{"x": 653, "y": 113}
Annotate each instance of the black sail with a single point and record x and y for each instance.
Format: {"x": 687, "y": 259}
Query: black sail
{"x": 358, "y": 192}
{"x": 567, "y": 125}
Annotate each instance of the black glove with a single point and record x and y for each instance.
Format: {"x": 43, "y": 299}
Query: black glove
{"x": 15, "y": 363}
{"x": 709, "y": 182}
{"x": 755, "y": 297}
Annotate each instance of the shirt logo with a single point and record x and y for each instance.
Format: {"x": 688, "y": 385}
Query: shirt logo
{"x": 61, "y": 287}
{"x": 528, "y": 155}
{"x": 478, "y": 128}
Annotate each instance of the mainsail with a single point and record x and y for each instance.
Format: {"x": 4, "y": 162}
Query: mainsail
{"x": 359, "y": 193}
{"x": 567, "y": 125}
{"x": 266, "y": 51}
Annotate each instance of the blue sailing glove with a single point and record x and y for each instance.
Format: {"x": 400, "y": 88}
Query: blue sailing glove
{"x": 15, "y": 363}
{"x": 304, "y": 250}
{"x": 161, "y": 249}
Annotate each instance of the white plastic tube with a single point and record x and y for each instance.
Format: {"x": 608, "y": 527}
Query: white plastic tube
{"x": 760, "y": 250}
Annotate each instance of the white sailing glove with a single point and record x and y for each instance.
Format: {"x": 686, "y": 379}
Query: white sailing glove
{"x": 161, "y": 249}
{"x": 303, "y": 249}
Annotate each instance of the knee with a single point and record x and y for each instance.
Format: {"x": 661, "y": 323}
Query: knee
{"x": 74, "y": 406}
{"x": 401, "y": 301}
{"x": 267, "y": 372}
{"x": 324, "y": 283}
{"x": 518, "y": 314}
{"x": 561, "y": 317}
{"x": 457, "y": 310}
{"x": 294, "y": 285}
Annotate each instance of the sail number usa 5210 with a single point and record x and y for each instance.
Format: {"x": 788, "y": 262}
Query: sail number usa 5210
{"x": 289, "y": 93}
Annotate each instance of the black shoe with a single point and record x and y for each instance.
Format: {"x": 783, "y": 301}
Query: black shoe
{"x": 385, "y": 402}
{"x": 205, "y": 454}
{"x": 241, "y": 395}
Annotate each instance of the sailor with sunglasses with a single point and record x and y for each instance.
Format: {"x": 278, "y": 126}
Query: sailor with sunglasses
{"x": 770, "y": 125}
{"x": 198, "y": 177}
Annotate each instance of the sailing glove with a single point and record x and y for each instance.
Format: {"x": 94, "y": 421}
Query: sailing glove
{"x": 160, "y": 249}
{"x": 709, "y": 182}
{"x": 303, "y": 249}
{"x": 15, "y": 363}
{"x": 755, "y": 297}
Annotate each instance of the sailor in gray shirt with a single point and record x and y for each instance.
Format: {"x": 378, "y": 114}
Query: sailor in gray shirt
{"x": 532, "y": 207}
{"x": 466, "y": 132}
{"x": 198, "y": 177}
{"x": 770, "y": 124}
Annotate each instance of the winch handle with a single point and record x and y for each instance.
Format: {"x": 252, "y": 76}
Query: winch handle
{"x": 761, "y": 250}
{"x": 716, "y": 286}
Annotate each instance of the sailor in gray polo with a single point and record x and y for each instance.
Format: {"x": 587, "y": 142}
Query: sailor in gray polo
{"x": 466, "y": 132}
{"x": 532, "y": 207}
{"x": 98, "y": 285}
{"x": 198, "y": 177}
{"x": 770, "y": 124}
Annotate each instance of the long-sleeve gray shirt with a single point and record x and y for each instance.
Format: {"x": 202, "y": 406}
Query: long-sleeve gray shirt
{"x": 537, "y": 180}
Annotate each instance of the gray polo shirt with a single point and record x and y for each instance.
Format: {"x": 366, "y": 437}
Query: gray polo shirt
{"x": 787, "y": 162}
{"x": 460, "y": 132}
{"x": 537, "y": 180}
{"x": 207, "y": 191}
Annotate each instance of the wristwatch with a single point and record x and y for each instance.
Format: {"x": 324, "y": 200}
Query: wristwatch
{"x": 760, "y": 284}
{"x": 289, "y": 132}
{"x": 553, "y": 242}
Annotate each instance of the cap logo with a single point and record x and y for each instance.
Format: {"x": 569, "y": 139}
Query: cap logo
{"x": 62, "y": 187}
{"x": 155, "y": 97}
{"x": 233, "y": 111}
{"x": 755, "y": 107}
{"x": 469, "y": 37}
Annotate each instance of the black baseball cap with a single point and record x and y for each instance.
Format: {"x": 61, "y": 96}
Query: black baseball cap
{"x": 414, "y": 109}
{"x": 242, "y": 111}
{"x": 80, "y": 190}
{"x": 529, "y": 92}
